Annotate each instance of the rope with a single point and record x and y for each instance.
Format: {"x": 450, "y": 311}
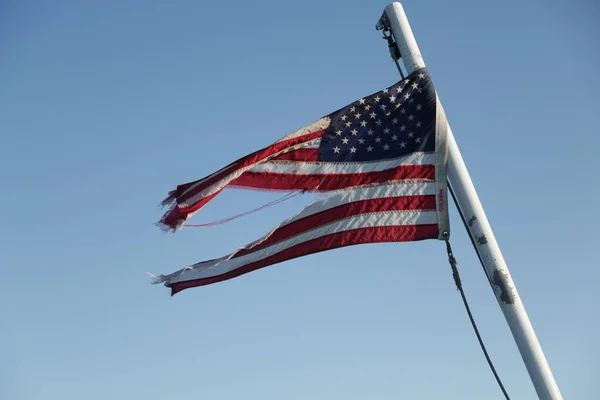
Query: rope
{"x": 224, "y": 220}
{"x": 464, "y": 221}
{"x": 458, "y": 283}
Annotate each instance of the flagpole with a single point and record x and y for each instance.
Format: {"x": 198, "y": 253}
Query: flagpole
{"x": 479, "y": 228}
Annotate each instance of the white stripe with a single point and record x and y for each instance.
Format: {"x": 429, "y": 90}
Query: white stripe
{"x": 312, "y": 144}
{"x": 224, "y": 265}
{"x": 318, "y": 125}
{"x": 367, "y": 192}
{"x": 306, "y": 168}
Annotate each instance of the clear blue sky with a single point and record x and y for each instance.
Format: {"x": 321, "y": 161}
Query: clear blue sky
{"x": 104, "y": 109}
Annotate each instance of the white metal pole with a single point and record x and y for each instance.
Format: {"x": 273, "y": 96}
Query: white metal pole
{"x": 479, "y": 228}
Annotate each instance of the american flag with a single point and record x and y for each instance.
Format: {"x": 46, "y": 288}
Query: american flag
{"x": 381, "y": 160}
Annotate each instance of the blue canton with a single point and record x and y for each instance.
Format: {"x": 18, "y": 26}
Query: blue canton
{"x": 391, "y": 123}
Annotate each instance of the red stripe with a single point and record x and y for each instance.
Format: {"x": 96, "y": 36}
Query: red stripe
{"x": 406, "y": 233}
{"x": 250, "y": 159}
{"x": 299, "y": 155}
{"x": 325, "y": 182}
{"x": 426, "y": 202}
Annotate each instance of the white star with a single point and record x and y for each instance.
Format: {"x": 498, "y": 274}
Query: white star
{"x": 352, "y": 109}
{"x": 403, "y": 111}
{"x": 377, "y": 139}
{"x": 357, "y": 115}
{"x": 338, "y": 132}
{"x": 377, "y": 98}
{"x": 406, "y": 96}
{"x": 336, "y": 149}
{"x": 411, "y": 117}
{"x": 415, "y": 85}
{"x": 345, "y": 140}
{"x": 383, "y": 107}
{"x": 354, "y": 132}
{"x": 348, "y": 124}
{"x": 370, "y": 132}
{"x": 402, "y": 144}
{"x": 392, "y": 99}
{"x": 386, "y": 147}
{"x": 395, "y": 137}
{"x": 395, "y": 121}
{"x": 361, "y": 141}
{"x": 343, "y": 117}
{"x": 419, "y": 124}
{"x": 378, "y": 122}
{"x": 411, "y": 101}
{"x": 386, "y": 130}
{"x": 398, "y": 105}
{"x": 352, "y": 149}
{"x": 411, "y": 134}
{"x": 421, "y": 75}
{"x": 402, "y": 128}
{"x": 385, "y": 90}
{"x": 361, "y": 101}
{"x": 400, "y": 88}
{"x": 419, "y": 107}
{"x": 373, "y": 115}
{"x": 418, "y": 140}
{"x": 363, "y": 123}
{"x": 370, "y": 148}
{"x": 367, "y": 107}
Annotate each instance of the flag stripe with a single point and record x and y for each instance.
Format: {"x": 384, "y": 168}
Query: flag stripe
{"x": 326, "y": 182}
{"x": 375, "y": 234}
{"x": 408, "y": 203}
{"x": 311, "y": 168}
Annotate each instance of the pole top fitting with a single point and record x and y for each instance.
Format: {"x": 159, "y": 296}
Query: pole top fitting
{"x": 383, "y": 23}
